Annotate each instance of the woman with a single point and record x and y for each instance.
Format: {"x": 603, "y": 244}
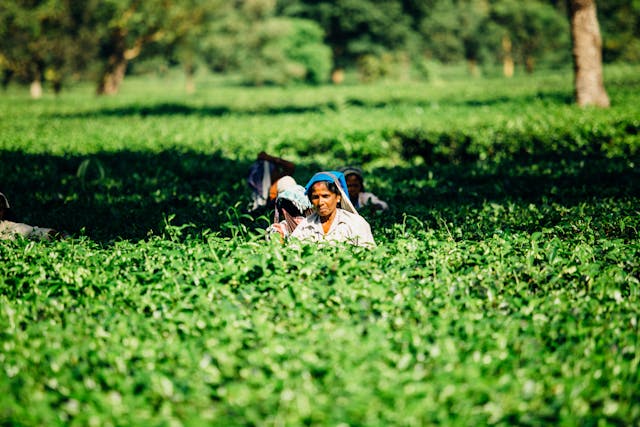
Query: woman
{"x": 10, "y": 229}
{"x": 263, "y": 178}
{"x": 359, "y": 197}
{"x": 292, "y": 207}
{"x": 334, "y": 217}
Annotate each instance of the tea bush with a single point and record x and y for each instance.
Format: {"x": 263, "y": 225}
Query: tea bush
{"x": 504, "y": 288}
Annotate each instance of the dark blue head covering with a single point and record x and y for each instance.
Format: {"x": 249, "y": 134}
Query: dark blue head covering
{"x": 257, "y": 175}
{"x": 337, "y": 178}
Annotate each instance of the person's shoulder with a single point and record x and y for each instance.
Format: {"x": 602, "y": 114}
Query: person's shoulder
{"x": 10, "y": 229}
{"x": 308, "y": 222}
{"x": 347, "y": 213}
{"x": 359, "y": 227}
{"x": 17, "y": 227}
{"x": 351, "y": 217}
{"x": 367, "y": 198}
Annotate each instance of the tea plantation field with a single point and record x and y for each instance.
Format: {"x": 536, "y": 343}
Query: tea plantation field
{"x": 504, "y": 288}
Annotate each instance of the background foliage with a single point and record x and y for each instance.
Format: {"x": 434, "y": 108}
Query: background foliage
{"x": 293, "y": 41}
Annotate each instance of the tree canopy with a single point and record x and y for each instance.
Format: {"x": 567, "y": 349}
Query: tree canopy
{"x": 286, "y": 41}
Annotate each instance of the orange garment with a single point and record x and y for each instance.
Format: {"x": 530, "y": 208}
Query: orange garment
{"x": 273, "y": 191}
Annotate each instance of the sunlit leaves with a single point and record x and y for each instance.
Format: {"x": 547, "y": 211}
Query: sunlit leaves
{"x": 501, "y": 291}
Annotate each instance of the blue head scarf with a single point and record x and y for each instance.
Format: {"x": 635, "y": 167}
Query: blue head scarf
{"x": 337, "y": 178}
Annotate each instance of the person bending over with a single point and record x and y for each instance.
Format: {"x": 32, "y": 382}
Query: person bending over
{"x": 291, "y": 208}
{"x": 263, "y": 178}
{"x": 10, "y": 229}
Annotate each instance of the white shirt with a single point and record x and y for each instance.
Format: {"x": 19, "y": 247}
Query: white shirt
{"x": 365, "y": 199}
{"x": 346, "y": 227}
{"x": 9, "y": 230}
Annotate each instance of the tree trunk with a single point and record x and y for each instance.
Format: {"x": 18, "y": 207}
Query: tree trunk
{"x": 7, "y": 75}
{"x": 190, "y": 84}
{"x": 529, "y": 64}
{"x": 474, "y": 70}
{"x": 337, "y": 76}
{"x": 116, "y": 65}
{"x": 507, "y": 59}
{"x": 189, "y": 72}
{"x": 112, "y": 76}
{"x": 587, "y": 54}
{"x": 35, "y": 89}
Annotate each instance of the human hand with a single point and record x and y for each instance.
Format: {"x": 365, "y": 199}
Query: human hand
{"x": 276, "y": 230}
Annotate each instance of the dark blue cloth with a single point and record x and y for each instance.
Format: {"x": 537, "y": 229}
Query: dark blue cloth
{"x": 256, "y": 172}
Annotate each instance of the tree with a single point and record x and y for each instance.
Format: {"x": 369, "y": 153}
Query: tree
{"x": 184, "y": 41}
{"x": 267, "y": 49}
{"x": 19, "y": 39}
{"x": 42, "y": 40}
{"x": 587, "y": 54}
{"x": 127, "y": 27}
{"x": 620, "y": 25}
{"x": 524, "y": 32}
{"x": 355, "y": 28}
{"x": 450, "y": 29}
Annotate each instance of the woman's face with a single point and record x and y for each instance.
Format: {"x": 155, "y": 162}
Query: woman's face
{"x": 354, "y": 186}
{"x": 323, "y": 200}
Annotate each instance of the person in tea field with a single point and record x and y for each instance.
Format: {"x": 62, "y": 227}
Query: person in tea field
{"x": 334, "y": 218}
{"x": 292, "y": 206}
{"x": 10, "y": 229}
{"x": 263, "y": 177}
{"x": 359, "y": 197}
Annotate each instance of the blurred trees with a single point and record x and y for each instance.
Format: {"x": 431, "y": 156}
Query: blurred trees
{"x": 288, "y": 41}
{"x": 451, "y": 29}
{"x": 620, "y": 25}
{"x": 125, "y": 28}
{"x": 43, "y": 40}
{"x": 358, "y": 30}
{"x": 525, "y": 32}
{"x": 263, "y": 48}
